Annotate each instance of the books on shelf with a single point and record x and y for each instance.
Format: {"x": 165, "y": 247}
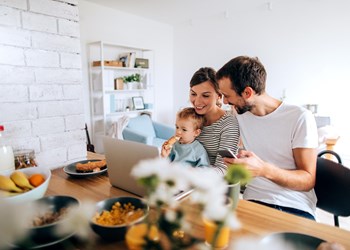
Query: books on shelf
{"x": 128, "y": 59}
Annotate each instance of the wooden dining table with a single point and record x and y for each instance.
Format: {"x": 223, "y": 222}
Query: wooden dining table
{"x": 256, "y": 220}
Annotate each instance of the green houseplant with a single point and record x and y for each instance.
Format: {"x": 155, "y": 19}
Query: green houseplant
{"x": 132, "y": 78}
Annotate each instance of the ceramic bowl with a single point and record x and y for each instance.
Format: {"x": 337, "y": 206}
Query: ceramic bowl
{"x": 117, "y": 232}
{"x": 35, "y": 193}
{"x": 47, "y": 234}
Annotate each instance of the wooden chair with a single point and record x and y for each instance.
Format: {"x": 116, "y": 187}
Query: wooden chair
{"x": 332, "y": 186}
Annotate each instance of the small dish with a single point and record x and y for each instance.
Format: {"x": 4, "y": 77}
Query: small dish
{"x": 71, "y": 169}
{"x": 117, "y": 232}
{"x": 295, "y": 241}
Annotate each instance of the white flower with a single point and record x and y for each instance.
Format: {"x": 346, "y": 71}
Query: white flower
{"x": 205, "y": 179}
{"x": 162, "y": 195}
{"x": 232, "y": 221}
{"x": 209, "y": 189}
{"x": 216, "y": 211}
{"x": 147, "y": 168}
{"x": 77, "y": 220}
{"x": 170, "y": 215}
{"x": 14, "y": 221}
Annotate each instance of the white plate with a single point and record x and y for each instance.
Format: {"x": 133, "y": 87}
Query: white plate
{"x": 41, "y": 244}
{"x": 71, "y": 169}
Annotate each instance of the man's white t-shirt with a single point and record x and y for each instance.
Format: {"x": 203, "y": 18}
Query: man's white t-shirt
{"x": 272, "y": 138}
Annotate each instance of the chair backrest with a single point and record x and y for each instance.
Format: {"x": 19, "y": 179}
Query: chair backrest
{"x": 333, "y": 187}
{"x": 331, "y": 152}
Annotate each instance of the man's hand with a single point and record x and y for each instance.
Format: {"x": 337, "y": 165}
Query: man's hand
{"x": 250, "y": 161}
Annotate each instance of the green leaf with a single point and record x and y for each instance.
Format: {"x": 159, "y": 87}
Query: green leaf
{"x": 237, "y": 173}
{"x": 150, "y": 182}
{"x": 132, "y": 78}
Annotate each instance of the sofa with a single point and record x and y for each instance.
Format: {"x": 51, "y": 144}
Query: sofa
{"x": 144, "y": 130}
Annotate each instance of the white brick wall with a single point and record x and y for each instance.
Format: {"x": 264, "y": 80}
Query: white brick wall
{"x": 11, "y": 55}
{"x": 41, "y": 79}
{"x": 14, "y": 36}
{"x": 42, "y": 58}
{"x": 16, "y": 75}
{"x": 69, "y": 60}
{"x": 9, "y": 16}
{"x": 32, "y": 21}
{"x": 68, "y": 28}
{"x": 20, "y": 4}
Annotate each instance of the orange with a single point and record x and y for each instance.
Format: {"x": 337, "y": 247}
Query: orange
{"x": 36, "y": 179}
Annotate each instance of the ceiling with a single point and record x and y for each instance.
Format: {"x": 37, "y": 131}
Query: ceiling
{"x": 169, "y": 11}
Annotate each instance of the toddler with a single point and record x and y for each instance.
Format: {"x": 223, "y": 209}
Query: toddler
{"x": 183, "y": 147}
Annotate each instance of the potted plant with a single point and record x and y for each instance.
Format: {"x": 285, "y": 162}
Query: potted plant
{"x": 133, "y": 78}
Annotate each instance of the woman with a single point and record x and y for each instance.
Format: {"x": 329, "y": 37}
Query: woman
{"x": 221, "y": 129}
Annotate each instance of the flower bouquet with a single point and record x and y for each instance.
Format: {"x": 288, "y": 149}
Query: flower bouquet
{"x": 163, "y": 180}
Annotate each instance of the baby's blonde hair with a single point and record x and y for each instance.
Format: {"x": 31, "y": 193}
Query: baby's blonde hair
{"x": 190, "y": 113}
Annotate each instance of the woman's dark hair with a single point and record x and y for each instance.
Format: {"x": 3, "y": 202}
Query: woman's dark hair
{"x": 203, "y": 75}
{"x": 244, "y": 71}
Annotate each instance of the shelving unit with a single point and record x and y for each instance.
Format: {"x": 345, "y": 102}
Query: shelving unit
{"x": 107, "y": 104}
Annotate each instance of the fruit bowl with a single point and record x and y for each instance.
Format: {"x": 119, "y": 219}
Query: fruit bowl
{"x": 117, "y": 232}
{"x": 34, "y": 194}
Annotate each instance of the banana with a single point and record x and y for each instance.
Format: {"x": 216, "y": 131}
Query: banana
{"x": 7, "y": 184}
{"x": 20, "y": 179}
{"x": 7, "y": 194}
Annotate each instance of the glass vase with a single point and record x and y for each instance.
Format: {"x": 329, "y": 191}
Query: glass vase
{"x": 216, "y": 235}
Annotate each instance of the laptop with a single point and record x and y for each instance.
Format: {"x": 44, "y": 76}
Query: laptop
{"x": 122, "y": 156}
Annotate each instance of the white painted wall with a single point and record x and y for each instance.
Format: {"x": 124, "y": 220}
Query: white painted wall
{"x": 41, "y": 104}
{"x": 304, "y": 46}
{"x": 106, "y": 24}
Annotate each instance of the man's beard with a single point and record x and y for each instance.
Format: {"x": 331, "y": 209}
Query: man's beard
{"x": 243, "y": 109}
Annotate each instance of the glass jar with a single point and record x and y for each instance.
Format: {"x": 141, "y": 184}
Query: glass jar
{"x": 24, "y": 158}
{"x": 6, "y": 153}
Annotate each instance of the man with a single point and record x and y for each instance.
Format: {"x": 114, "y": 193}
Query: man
{"x": 280, "y": 140}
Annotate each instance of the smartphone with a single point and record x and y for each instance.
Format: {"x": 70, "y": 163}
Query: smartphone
{"x": 226, "y": 153}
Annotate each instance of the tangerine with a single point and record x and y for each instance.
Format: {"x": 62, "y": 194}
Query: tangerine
{"x": 36, "y": 179}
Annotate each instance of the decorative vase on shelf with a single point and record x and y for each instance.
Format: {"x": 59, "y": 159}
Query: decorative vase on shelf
{"x": 129, "y": 85}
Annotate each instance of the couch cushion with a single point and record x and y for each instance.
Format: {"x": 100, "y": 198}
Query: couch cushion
{"x": 142, "y": 124}
{"x": 158, "y": 142}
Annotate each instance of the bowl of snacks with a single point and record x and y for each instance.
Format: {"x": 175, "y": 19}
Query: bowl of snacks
{"x": 25, "y": 184}
{"x": 45, "y": 223}
{"x": 113, "y": 216}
